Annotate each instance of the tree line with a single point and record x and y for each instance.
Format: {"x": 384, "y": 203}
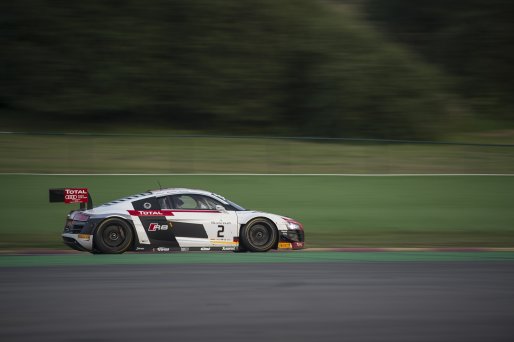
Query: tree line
{"x": 289, "y": 67}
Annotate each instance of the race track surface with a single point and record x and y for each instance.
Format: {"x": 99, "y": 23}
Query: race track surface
{"x": 318, "y": 301}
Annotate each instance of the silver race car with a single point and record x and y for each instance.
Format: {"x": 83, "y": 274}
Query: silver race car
{"x": 173, "y": 220}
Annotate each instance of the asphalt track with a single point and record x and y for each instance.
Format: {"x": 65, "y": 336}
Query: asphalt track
{"x": 260, "y": 301}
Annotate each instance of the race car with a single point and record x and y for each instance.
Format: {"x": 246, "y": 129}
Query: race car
{"x": 175, "y": 219}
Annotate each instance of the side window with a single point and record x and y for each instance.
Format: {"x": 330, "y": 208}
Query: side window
{"x": 184, "y": 202}
{"x": 207, "y": 202}
{"x": 164, "y": 202}
{"x": 195, "y": 202}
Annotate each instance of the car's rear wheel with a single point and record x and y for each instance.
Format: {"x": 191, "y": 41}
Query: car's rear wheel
{"x": 258, "y": 235}
{"x": 113, "y": 236}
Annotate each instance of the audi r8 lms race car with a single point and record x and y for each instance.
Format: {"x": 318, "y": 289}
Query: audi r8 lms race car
{"x": 173, "y": 220}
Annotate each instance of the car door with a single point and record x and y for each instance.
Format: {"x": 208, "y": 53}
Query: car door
{"x": 202, "y": 221}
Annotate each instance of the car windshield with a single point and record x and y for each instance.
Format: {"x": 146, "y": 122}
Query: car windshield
{"x": 236, "y": 206}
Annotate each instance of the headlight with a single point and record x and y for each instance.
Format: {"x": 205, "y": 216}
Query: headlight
{"x": 293, "y": 225}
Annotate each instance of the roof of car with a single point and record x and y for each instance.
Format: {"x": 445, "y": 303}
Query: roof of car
{"x": 173, "y": 191}
{"x": 162, "y": 192}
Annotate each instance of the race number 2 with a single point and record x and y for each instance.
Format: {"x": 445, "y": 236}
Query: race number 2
{"x": 221, "y": 231}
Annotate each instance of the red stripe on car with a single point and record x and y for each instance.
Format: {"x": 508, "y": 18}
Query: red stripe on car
{"x": 194, "y": 211}
{"x": 166, "y": 212}
{"x": 150, "y": 212}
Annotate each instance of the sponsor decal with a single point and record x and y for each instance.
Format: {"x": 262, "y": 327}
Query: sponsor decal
{"x": 284, "y": 245}
{"x": 205, "y": 249}
{"x": 184, "y": 249}
{"x": 140, "y": 248}
{"x": 84, "y": 237}
{"x": 228, "y": 248}
{"x": 223, "y": 242}
{"x": 147, "y": 205}
{"x": 75, "y": 195}
{"x": 221, "y": 222}
{"x": 163, "y": 249}
{"x": 155, "y": 226}
{"x": 150, "y": 212}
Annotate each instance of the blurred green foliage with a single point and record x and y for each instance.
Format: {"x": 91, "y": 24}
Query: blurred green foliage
{"x": 301, "y": 67}
{"x": 471, "y": 40}
{"x": 366, "y": 68}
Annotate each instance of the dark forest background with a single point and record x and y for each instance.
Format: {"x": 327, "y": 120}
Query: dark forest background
{"x": 371, "y": 68}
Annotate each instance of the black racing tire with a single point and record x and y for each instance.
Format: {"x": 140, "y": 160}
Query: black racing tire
{"x": 113, "y": 236}
{"x": 258, "y": 235}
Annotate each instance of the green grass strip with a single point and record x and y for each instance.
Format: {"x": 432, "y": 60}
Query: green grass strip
{"x": 422, "y": 211}
{"x": 238, "y": 258}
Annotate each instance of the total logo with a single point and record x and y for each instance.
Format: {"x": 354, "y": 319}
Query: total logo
{"x": 155, "y": 226}
{"x": 75, "y": 195}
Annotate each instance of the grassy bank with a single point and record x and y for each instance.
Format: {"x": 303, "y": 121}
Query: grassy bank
{"x": 157, "y": 154}
{"x": 336, "y": 211}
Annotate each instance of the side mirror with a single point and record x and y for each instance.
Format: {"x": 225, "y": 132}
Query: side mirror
{"x": 221, "y": 208}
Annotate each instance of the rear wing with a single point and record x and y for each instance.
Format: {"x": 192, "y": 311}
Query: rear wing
{"x": 71, "y": 195}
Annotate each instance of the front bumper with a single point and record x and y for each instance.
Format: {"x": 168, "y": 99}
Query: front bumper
{"x": 79, "y": 242}
{"x": 79, "y": 234}
{"x": 292, "y": 239}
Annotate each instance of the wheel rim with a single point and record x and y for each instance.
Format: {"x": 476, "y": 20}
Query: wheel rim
{"x": 259, "y": 235}
{"x": 113, "y": 236}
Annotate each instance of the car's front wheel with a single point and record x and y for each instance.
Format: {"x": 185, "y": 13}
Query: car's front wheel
{"x": 258, "y": 235}
{"x": 113, "y": 236}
